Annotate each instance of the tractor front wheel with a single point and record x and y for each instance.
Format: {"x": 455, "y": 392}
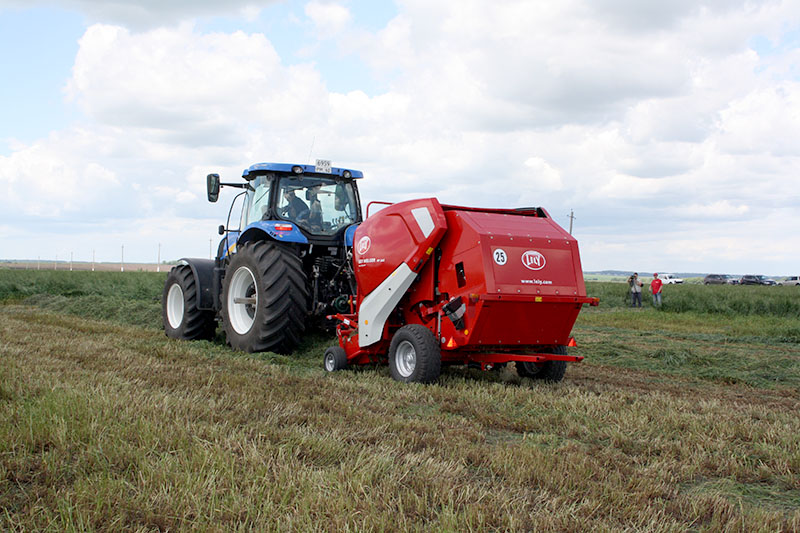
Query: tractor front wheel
{"x": 414, "y": 355}
{"x": 552, "y": 371}
{"x": 264, "y": 298}
{"x": 182, "y": 319}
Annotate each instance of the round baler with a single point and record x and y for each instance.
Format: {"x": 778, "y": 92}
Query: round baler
{"x": 440, "y": 284}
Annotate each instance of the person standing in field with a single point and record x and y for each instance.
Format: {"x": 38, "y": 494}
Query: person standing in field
{"x": 655, "y": 288}
{"x": 636, "y": 290}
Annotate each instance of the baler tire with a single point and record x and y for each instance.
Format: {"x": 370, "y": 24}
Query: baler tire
{"x": 550, "y": 371}
{"x": 335, "y": 359}
{"x": 179, "y": 313}
{"x": 273, "y": 275}
{"x": 423, "y": 363}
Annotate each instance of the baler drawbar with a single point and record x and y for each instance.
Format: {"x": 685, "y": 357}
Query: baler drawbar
{"x": 440, "y": 284}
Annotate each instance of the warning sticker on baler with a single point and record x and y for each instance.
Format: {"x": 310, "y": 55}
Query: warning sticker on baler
{"x": 500, "y": 256}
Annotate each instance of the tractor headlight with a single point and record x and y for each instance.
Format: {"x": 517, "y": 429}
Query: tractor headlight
{"x": 346, "y": 174}
{"x": 297, "y": 169}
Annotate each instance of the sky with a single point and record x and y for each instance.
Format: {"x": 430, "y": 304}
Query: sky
{"x": 670, "y": 129}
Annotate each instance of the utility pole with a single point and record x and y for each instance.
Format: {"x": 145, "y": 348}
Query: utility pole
{"x": 571, "y": 218}
{"x": 122, "y": 260}
{"x": 158, "y": 264}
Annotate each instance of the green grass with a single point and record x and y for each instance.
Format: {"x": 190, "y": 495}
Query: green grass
{"x": 677, "y": 420}
{"x": 15, "y": 285}
{"x": 723, "y": 300}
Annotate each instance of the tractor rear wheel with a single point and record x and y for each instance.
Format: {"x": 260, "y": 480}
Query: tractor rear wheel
{"x": 181, "y": 317}
{"x": 414, "y": 355}
{"x": 264, "y": 298}
{"x": 552, "y": 371}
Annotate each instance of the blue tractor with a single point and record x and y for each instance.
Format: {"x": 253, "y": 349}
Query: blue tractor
{"x": 283, "y": 266}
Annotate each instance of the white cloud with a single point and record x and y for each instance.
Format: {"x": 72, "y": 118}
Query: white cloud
{"x": 641, "y": 117}
{"x": 721, "y": 208}
{"x": 543, "y": 175}
{"x": 51, "y": 178}
{"x": 763, "y": 121}
{"x": 329, "y": 18}
{"x": 145, "y": 14}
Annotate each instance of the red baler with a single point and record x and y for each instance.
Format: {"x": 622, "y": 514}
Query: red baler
{"x": 440, "y": 284}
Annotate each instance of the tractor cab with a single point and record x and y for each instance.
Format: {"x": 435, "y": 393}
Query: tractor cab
{"x": 320, "y": 206}
{"x": 303, "y": 203}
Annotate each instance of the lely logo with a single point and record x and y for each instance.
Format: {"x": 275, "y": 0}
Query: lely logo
{"x": 363, "y": 245}
{"x": 533, "y": 260}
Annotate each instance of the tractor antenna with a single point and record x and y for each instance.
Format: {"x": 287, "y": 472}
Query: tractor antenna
{"x": 311, "y": 151}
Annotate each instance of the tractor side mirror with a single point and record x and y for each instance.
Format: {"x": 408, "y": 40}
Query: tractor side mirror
{"x": 212, "y": 183}
{"x": 221, "y": 229}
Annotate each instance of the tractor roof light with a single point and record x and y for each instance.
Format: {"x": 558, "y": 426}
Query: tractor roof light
{"x": 346, "y": 174}
{"x": 297, "y": 169}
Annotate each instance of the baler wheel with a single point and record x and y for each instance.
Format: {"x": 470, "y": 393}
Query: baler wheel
{"x": 181, "y": 317}
{"x": 414, "y": 355}
{"x": 552, "y": 371}
{"x": 335, "y": 359}
{"x": 264, "y": 298}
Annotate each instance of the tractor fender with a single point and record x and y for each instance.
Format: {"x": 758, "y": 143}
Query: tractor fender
{"x": 227, "y": 245}
{"x": 203, "y": 271}
{"x": 266, "y": 230}
{"x": 350, "y": 235}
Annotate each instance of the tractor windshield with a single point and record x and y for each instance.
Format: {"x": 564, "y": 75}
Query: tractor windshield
{"x": 321, "y": 206}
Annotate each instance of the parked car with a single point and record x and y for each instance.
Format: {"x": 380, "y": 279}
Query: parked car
{"x": 669, "y": 279}
{"x": 756, "y": 280}
{"x": 791, "y": 280}
{"x": 715, "y": 279}
{"x": 732, "y": 280}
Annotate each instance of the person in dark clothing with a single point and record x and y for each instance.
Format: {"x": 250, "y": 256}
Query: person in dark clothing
{"x": 315, "y": 207}
{"x": 295, "y": 208}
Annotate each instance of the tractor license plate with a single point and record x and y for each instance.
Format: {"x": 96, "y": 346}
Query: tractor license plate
{"x": 323, "y": 166}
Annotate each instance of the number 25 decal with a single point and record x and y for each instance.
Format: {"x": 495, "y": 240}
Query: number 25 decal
{"x": 500, "y": 256}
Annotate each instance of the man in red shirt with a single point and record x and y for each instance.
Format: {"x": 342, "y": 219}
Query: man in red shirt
{"x": 655, "y": 288}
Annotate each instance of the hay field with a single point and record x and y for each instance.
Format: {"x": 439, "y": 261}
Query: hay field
{"x": 682, "y": 418}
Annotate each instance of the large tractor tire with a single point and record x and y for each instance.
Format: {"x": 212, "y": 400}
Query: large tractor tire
{"x": 414, "y": 355}
{"x": 181, "y": 317}
{"x": 552, "y": 371}
{"x": 264, "y": 298}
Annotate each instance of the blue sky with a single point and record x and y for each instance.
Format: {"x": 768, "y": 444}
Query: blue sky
{"x": 38, "y": 48}
{"x": 670, "y": 129}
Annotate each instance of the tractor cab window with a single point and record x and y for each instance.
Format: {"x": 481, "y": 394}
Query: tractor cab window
{"x": 256, "y": 206}
{"x": 321, "y": 206}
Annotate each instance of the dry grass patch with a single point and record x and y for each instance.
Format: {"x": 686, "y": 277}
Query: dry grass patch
{"x": 111, "y": 427}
